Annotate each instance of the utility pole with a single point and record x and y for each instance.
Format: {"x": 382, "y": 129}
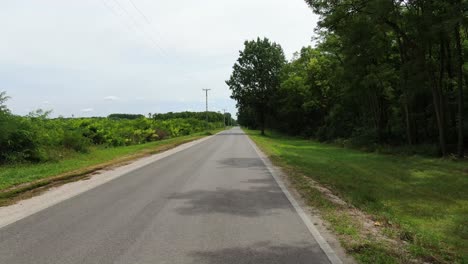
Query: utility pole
{"x": 224, "y": 118}
{"x": 206, "y": 111}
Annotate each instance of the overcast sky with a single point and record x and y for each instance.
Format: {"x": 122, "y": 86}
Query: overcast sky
{"x": 96, "y": 57}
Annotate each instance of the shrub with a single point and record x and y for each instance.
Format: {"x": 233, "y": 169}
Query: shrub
{"x": 75, "y": 140}
{"x": 18, "y": 143}
{"x": 162, "y": 134}
{"x": 39, "y": 138}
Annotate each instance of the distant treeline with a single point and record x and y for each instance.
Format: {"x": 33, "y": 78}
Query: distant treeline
{"x": 382, "y": 73}
{"x": 125, "y": 116}
{"x": 38, "y": 138}
{"x": 210, "y": 116}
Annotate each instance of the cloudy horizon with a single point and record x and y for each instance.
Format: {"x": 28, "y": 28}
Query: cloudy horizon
{"x": 97, "y": 57}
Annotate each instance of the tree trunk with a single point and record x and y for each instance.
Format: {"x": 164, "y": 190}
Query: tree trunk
{"x": 460, "y": 144}
{"x": 262, "y": 122}
{"x": 439, "y": 116}
{"x": 406, "y": 106}
{"x": 409, "y": 132}
{"x": 406, "y": 99}
{"x": 438, "y": 102}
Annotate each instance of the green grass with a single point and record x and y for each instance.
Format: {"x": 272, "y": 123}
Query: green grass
{"x": 423, "y": 201}
{"x": 16, "y": 179}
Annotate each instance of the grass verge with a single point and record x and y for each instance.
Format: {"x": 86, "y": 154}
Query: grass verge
{"x": 24, "y": 180}
{"x": 398, "y": 209}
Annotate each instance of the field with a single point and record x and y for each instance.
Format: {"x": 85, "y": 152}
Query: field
{"x": 421, "y": 203}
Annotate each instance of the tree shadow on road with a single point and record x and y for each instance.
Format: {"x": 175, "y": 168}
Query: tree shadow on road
{"x": 231, "y": 134}
{"x": 252, "y": 202}
{"x": 242, "y": 163}
{"x": 263, "y": 252}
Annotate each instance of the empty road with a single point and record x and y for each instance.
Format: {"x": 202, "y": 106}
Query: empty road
{"x": 215, "y": 202}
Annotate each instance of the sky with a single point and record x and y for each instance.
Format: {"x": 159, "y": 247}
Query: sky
{"x": 97, "y": 57}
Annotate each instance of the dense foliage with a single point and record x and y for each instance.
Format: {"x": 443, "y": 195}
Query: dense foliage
{"x": 125, "y": 116}
{"x": 208, "y": 116}
{"x": 256, "y": 77}
{"x": 383, "y": 72}
{"x": 36, "y": 137}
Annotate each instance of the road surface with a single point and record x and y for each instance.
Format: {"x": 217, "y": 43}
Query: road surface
{"x": 215, "y": 202}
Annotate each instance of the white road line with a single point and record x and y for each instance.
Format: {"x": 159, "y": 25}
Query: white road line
{"x": 334, "y": 259}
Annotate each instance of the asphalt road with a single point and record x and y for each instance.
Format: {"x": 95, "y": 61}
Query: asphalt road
{"x": 215, "y": 202}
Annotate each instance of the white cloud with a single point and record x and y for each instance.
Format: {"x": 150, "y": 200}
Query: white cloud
{"x": 111, "y": 98}
{"x": 87, "y": 110}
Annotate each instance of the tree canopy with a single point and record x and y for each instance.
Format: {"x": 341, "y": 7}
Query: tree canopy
{"x": 382, "y": 73}
{"x": 255, "y": 77}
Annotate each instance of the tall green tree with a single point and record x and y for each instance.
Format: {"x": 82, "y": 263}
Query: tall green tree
{"x": 5, "y": 126}
{"x": 307, "y": 91}
{"x": 256, "y": 77}
{"x": 3, "y": 99}
{"x": 404, "y": 58}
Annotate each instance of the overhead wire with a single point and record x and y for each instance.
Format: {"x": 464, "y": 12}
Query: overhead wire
{"x": 151, "y": 26}
{"x": 136, "y": 26}
{"x": 112, "y": 10}
{"x": 139, "y": 11}
{"x": 149, "y": 22}
{"x": 142, "y": 30}
{"x": 149, "y": 36}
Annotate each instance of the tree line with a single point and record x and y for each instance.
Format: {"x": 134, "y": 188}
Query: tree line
{"x": 208, "y": 116}
{"x": 382, "y": 72}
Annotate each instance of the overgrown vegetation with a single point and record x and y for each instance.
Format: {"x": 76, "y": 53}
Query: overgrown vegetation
{"x": 383, "y": 72}
{"x": 422, "y": 201}
{"x": 38, "y": 138}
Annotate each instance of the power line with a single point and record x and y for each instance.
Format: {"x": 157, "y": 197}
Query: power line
{"x": 158, "y": 35}
{"x": 141, "y": 29}
{"x": 150, "y": 24}
{"x": 206, "y": 92}
{"x": 135, "y": 22}
{"x": 224, "y": 117}
{"x": 139, "y": 11}
{"x": 112, "y": 10}
{"x": 137, "y": 28}
{"x": 130, "y": 27}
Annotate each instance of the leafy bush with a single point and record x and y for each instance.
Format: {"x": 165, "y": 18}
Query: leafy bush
{"x": 76, "y": 141}
{"x": 17, "y": 141}
{"x": 20, "y": 146}
{"x": 38, "y": 138}
{"x": 162, "y": 134}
